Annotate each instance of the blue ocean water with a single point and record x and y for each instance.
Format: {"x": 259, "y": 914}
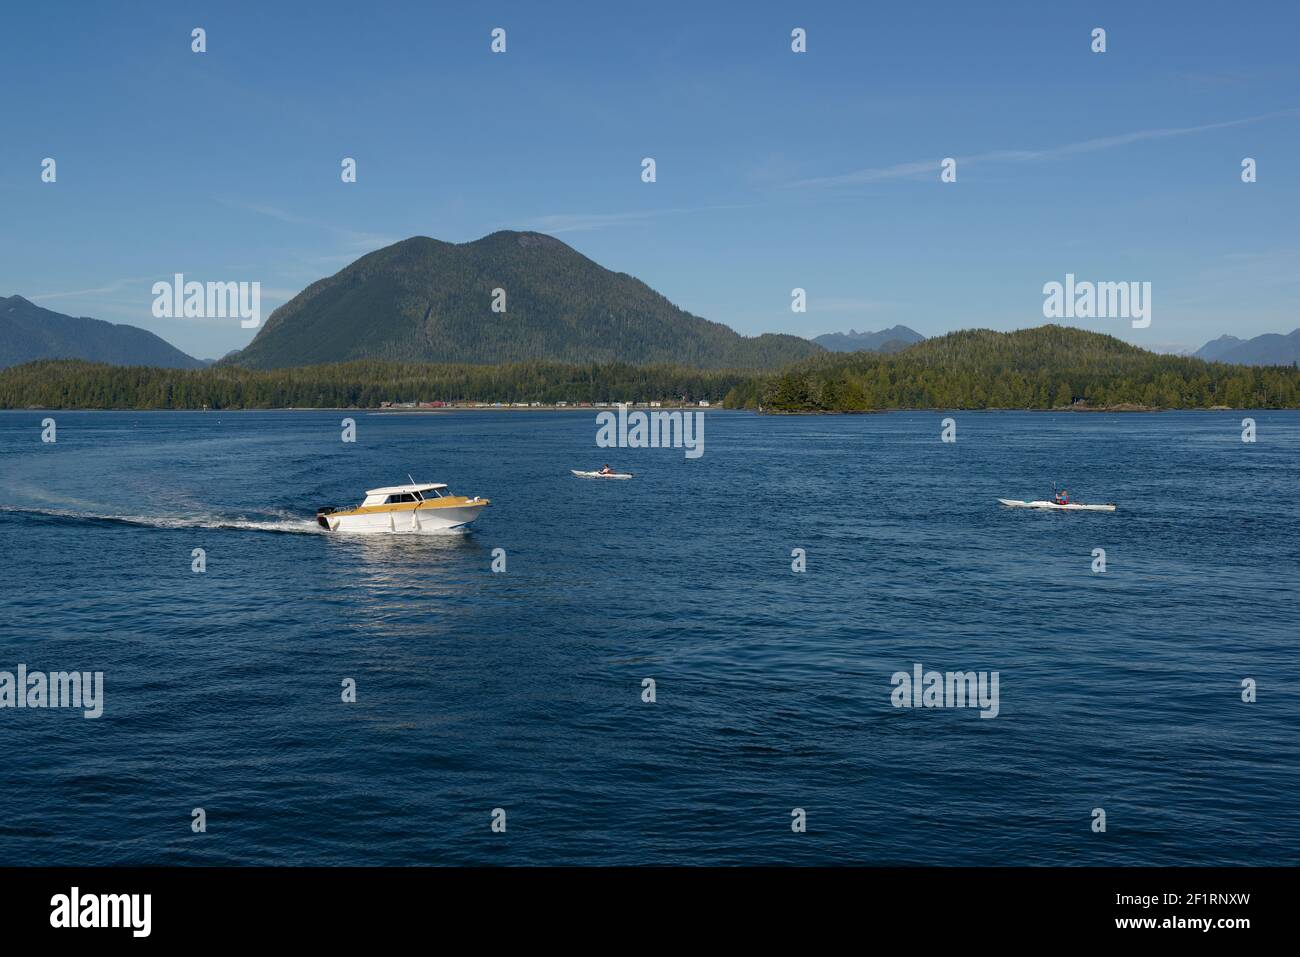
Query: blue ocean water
{"x": 523, "y": 690}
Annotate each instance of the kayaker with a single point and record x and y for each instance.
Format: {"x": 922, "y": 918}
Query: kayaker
{"x": 607, "y": 470}
{"x": 1062, "y": 497}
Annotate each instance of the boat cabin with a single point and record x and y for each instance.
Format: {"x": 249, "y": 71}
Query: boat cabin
{"x": 398, "y": 494}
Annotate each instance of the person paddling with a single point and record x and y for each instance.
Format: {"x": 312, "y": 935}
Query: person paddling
{"x": 607, "y": 470}
{"x": 1063, "y": 497}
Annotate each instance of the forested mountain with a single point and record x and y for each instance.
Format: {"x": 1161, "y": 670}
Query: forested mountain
{"x": 1047, "y": 367}
{"x": 893, "y": 339}
{"x": 1270, "y": 349}
{"x": 422, "y": 300}
{"x": 28, "y": 332}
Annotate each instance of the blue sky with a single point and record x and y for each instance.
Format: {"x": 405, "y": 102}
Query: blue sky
{"x": 775, "y": 169}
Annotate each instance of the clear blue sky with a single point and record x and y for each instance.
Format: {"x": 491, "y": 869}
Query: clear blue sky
{"x": 775, "y": 170}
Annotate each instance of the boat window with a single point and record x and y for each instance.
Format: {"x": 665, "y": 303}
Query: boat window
{"x": 395, "y": 499}
{"x": 431, "y": 493}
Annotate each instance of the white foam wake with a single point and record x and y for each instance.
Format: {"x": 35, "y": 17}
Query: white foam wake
{"x": 298, "y": 526}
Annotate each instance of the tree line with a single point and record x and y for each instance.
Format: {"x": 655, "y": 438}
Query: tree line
{"x": 74, "y": 384}
{"x": 1043, "y": 368}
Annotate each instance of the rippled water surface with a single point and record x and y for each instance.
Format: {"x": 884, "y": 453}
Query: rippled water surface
{"x": 523, "y": 690}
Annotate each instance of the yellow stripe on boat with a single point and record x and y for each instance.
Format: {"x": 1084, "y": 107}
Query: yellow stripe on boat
{"x": 447, "y": 501}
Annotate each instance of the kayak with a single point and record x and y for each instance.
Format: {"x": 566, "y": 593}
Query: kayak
{"x": 605, "y": 475}
{"x": 1071, "y": 507}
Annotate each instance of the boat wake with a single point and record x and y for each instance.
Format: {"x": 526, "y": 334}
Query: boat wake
{"x": 286, "y": 525}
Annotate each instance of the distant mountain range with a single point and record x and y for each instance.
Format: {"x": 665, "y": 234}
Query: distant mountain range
{"x": 422, "y": 300}
{"x": 28, "y": 332}
{"x": 1270, "y": 349}
{"x": 893, "y": 339}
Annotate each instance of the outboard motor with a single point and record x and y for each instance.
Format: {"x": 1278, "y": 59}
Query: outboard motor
{"x": 320, "y": 516}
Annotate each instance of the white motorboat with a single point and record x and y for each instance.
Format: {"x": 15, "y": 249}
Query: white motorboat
{"x": 1064, "y": 507}
{"x": 421, "y": 508}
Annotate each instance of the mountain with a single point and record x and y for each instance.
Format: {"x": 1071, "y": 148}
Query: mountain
{"x": 1270, "y": 349}
{"x": 1042, "y": 368}
{"x": 28, "y": 332}
{"x": 422, "y": 300}
{"x": 1212, "y": 351}
{"x": 886, "y": 340}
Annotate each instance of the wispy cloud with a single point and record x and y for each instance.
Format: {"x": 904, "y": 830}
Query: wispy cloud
{"x": 577, "y": 222}
{"x": 930, "y": 167}
{"x": 354, "y": 238}
{"x": 115, "y": 286}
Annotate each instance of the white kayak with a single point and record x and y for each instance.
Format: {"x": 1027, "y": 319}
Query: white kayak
{"x": 1071, "y": 507}
{"x": 605, "y": 475}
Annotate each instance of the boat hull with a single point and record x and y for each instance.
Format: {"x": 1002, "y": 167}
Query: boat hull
{"x": 602, "y": 475}
{"x": 410, "y": 521}
{"x": 1056, "y": 507}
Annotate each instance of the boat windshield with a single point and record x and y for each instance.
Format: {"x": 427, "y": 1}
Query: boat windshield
{"x": 431, "y": 493}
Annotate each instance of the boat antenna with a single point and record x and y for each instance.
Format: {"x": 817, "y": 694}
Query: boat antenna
{"x": 413, "y": 482}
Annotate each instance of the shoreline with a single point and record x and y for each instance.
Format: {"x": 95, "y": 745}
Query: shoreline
{"x": 1065, "y": 408}
{"x": 373, "y": 410}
